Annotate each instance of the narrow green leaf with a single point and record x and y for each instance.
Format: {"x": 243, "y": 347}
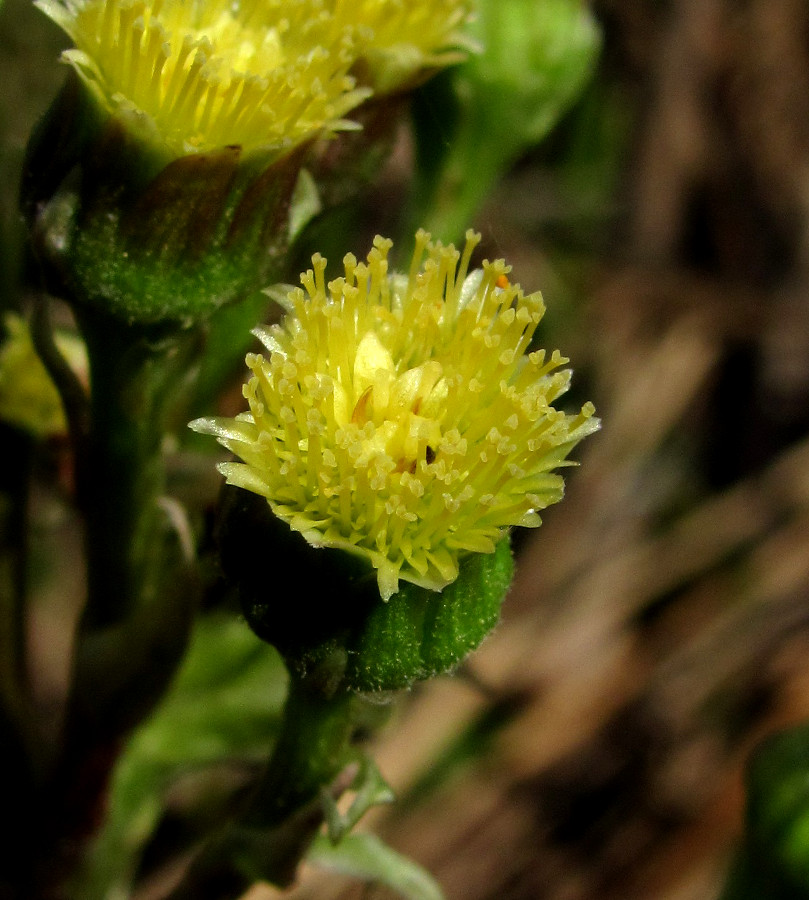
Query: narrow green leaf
{"x": 367, "y": 858}
{"x": 370, "y": 789}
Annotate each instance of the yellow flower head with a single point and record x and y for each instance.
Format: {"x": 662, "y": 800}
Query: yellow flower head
{"x": 406, "y": 37}
{"x": 201, "y": 74}
{"x": 28, "y": 397}
{"x": 401, "y": 418}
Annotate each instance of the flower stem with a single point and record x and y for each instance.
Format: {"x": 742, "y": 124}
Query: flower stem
{"x": 134, "y": 380}
{"x": 312, "y": 749}
{"x": 141, "y": 590}
{"x": 286, "y": 812}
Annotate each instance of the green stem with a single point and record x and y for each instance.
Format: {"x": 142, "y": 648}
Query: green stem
{"x": 286, "y": 812}
{"x": 71, "y": 390}
{"x": 311, "y": 750}
{"x": 473, "y": 165}
{"x": 140, "y": 598}
{"x": 141, "y": 589}
{"x": 133, "y": 376}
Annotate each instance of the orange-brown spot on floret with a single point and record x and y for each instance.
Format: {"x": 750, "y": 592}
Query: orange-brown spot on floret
{"x": 360, "y": 414}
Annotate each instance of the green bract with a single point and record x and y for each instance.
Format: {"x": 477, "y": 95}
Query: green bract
{"x": 321, "y": 607}
{"x": 145, "y": 239}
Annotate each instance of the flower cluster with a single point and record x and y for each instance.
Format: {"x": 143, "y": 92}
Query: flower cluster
{"x": 405, "y": 418}
{"x": 201, "y": 74}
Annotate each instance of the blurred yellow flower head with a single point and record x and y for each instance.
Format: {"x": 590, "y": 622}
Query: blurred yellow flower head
{"x": 406, "y": 38}
{"x": 201, "y": 74}
{"x": 28, "y": 398}
{"x": 401, "y": 418}
{"x": 210, "y": 73}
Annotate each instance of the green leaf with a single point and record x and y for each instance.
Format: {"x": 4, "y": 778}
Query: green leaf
{"x": 371, "y": 790}
{"x": 224, "y": 707}
{"x": 774, "y": 858}
{"x": 365, "y": 857}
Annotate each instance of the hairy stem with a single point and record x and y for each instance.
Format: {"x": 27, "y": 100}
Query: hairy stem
{"x": 286, "y": 812}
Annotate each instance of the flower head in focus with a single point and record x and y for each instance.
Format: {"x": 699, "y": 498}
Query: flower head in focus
{"x": 401, "y": 418}
{"x": 203, "y": 74}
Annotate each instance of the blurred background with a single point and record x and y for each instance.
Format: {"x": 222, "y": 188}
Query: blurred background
{"x": 658, "y": 627}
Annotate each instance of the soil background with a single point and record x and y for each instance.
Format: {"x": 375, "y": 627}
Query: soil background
{"x": 594, "y": 748}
